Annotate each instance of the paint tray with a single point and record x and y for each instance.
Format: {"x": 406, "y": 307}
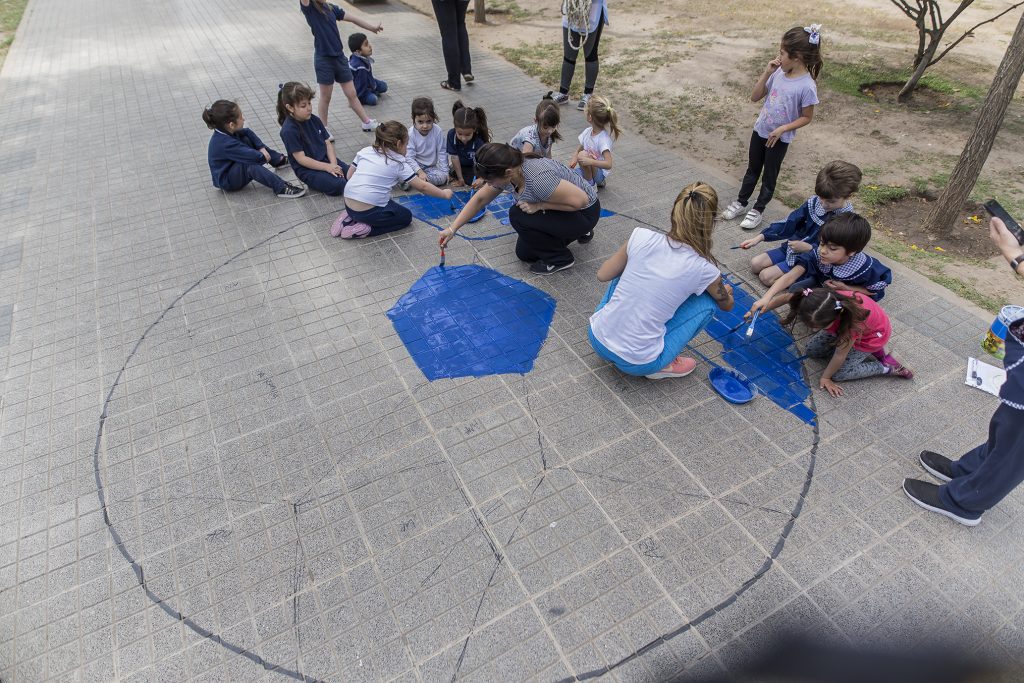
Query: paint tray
{"x": 731, "y": 386}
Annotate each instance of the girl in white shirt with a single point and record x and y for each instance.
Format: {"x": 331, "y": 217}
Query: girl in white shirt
{"x": 593, "y": 157}
{"x": 374, "y": 172}
{"x": 428, "y": 148}
{"x": 655, "y": 303}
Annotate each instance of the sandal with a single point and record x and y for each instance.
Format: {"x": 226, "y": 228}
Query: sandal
{"x": 469, "y": 78}
{"x": 448, "y": 86}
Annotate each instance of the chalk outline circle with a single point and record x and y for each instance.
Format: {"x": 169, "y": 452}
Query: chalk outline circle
{"x": 297, "y": 675}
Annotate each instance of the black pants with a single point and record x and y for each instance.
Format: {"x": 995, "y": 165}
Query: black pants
{"x": 546, "y": 236}
{"x": 765, "y": 162}
{"x": 451, "y": 21}
{"x": 589, "y": 48}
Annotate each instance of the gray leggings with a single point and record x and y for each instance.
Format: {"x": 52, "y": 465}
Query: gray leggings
{"x": 589, "y": 50}
{"x": 858, "y": 364}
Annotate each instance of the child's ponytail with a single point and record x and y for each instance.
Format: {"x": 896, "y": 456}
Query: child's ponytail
{"x": 388, "y": 137}
{"x": 475, "y": 119}
{"x": 548, "y": 114}
{"x": 819, "y": 308}
{"x": 805, "y": 44}
{"x": 219, "y": 114}
{"x": 602, "y": 113}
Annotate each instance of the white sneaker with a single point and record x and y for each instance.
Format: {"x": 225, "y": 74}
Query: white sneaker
{"x": 752, "y": 220}
{"x": 733, "y": 210}
{"x": 370, "y": 125}
{"x": 582, "y": 106}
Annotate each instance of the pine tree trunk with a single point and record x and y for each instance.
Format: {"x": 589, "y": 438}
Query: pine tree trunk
{"x": 479, "y": 12}
{"x": 979, "y": 144}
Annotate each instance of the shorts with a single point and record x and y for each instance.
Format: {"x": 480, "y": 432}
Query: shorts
{"x": 778, "y": 258}
{"x": 599, "y": 175}
{"x": 331, "y": 69}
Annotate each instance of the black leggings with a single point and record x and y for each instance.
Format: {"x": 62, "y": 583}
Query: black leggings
{"x": 589, "y": 53}
{"x": 451, "y": 21}
{"x": 546, "y": 235}
{"x": 762, "y": 161}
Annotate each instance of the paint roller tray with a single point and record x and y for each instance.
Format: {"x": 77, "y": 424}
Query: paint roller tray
{"x": 731, "y": 386}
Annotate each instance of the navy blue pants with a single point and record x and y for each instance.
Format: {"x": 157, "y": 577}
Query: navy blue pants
{"x": 382, "y": 219}
{"x": 987, "y": 474}
{"x": 241, "y": 175}
{"x": 370, "y": 98}
{"x": 323, "y": 181}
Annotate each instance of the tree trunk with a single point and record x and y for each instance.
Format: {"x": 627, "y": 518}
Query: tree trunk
{"x": 979, "y": 144}
{"x": 479, "y": 12}
{"x": 926, "y": 60}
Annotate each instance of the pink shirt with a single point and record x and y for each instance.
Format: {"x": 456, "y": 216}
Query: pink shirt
{"x": 872, "y": 334}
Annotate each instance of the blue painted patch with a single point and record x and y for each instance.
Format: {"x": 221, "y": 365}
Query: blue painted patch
{"x": 470, "y": 321}
{"x": 769, "y": 359}
{"x": 431, "y": 209}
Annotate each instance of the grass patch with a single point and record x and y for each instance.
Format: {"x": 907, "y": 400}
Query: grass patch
{"x": 874, "y": 196}
{"x": 848, "y": 77}
{"x": 509, "y": 8}
{"x": 10, "y": 17}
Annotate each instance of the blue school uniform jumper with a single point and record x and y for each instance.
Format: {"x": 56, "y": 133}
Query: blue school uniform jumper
{"x": 860, "y": 271}
{"x": 310, "y": 137}
{"x": 802, "y": 225}
{"x": 236, "y": 160}
{"x": 466, "y": 153}
{"x": 987, "y": 474}
{"x": 367, "y": 87}
{"x": 328, "y": 55}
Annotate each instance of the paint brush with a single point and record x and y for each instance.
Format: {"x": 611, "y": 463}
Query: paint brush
{"x": 738, "y": 246}
{"x": 441, "y": 264}
{"x": 753, "y": 321}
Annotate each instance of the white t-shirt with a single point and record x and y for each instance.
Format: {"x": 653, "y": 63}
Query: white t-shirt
{"x": 660, "y": 275}
{"x": 375, "y": 175}
{"x": 428, "y": 151}
{"x": 596, "y": 145}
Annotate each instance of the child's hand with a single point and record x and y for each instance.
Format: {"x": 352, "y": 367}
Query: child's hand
{"x": 457, "y": 182}
{"x": 774, "y": 136}
{"x": 575, "y": 160}
{"x": 758, "y": 306}
{"x": 830, "y": 386}
{"x": 747, "y": 244}
{"x": 527, "y": 207}
{"x": 833, "y": 284}
{"x": 377, "y": 29}
{"x": 335, "y": 170}
{"x": 266, "y": 155}
{"x": 478, "y": 183}
{"x": 799, "y": 246}
{"x": 445, "y": 236}
{"x": 774, "y": 64}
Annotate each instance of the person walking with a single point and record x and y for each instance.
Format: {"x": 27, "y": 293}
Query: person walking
{"x": 451, "y": 21}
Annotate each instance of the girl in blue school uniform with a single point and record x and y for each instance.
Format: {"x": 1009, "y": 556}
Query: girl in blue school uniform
{"x": 306, "y": 141}
{"x": 329, "y": 59}
{"x": 237, "y": 156}
{"x": 469, "y": 134}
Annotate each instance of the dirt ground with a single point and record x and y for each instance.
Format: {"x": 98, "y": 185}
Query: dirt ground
{"x": 682, "y": 70}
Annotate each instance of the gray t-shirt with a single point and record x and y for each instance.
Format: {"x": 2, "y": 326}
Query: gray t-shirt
{"x": 785, "y": 99}
{"x": 541, "y": 177}
{"x": 532, "y": 135}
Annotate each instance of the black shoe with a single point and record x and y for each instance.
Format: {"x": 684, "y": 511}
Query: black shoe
{"x": 939, "y": 466}
{"x": 583, "y": 239}
{"x": 542, "y": 268}
{"x": 291, "y": 191}
{"x": 926, "y": 495}
{"x": 281, "y": 163}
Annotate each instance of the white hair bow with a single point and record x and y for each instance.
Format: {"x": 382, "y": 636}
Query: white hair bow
{"x": 815, "y": 33}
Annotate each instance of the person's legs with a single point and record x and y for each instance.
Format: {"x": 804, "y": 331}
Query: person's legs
{"x": 985, "y": 475}
{"x": 323, "y": 181}
{"x": 773, "y": 157}
{"x": 546, "y": 236}
{"x": 384, "y": 219}
{"x": 858, "y": 365}
{"x": 349, "y": 89}
{"x": 369, "y": 99}
{"x": 445, "y": 12}
{"x": 689, "y": 319}
{"x": 241, "y": 175}
{"x": 380, "y": 87}
{"x": 465, "y": 63}
{"x": 592, "y": 64}
{"x": 755, "y": 162}
{"x": 769, "y": 275}
{"x": 323, "y": 102}
{"x": 436, "y": 175}
{"x": 568, "y": 60}
{"x": 821, "y": 345}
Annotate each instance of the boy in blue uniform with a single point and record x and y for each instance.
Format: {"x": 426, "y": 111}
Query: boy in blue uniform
{"x": 368, "y": 88}
{"x": 837, "y": 181}
{"x": 838, "y": 262}
{"x": 237, "y": 155}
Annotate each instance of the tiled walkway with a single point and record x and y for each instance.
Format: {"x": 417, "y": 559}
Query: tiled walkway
{"x": 278, "y": 493}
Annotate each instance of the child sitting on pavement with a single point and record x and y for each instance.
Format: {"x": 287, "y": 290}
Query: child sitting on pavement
{"x": 837, "y": 181}
{"x": 839, "y": 262}
{"x": 368, "y": 87}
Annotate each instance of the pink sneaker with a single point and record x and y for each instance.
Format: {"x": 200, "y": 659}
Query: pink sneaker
{"x": 680, "y": 367}
{"x": 346, "y": 228}
{"x": 336, "y": 228}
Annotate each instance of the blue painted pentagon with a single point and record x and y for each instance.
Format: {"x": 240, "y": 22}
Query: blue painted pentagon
{"x": 471, "y": 321}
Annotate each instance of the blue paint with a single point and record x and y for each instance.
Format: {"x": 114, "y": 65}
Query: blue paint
{"x": 731, "y": 386}
{"x": 431, "y": 209}
{"x": 768, "y": 360}
{"x": 470, "y": 321}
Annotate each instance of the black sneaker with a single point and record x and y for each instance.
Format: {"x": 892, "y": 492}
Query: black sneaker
{"x": 583, "y": 239}
{"x": 281, "y": 163}
{"x": 291, "y": 191}
{"x": 939, "y": 466}
{"x": 926, "y": 495}
{"x": 542, "y": 268}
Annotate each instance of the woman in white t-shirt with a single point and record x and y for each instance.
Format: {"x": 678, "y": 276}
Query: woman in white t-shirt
{"x": 369, "y": 208}
{"x": 663, "y": 291}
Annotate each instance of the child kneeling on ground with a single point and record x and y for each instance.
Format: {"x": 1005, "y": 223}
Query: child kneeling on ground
{"x": 852, "y": 333}
{"x": 374, "y": 172}
{"x": 663, "y": 291}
